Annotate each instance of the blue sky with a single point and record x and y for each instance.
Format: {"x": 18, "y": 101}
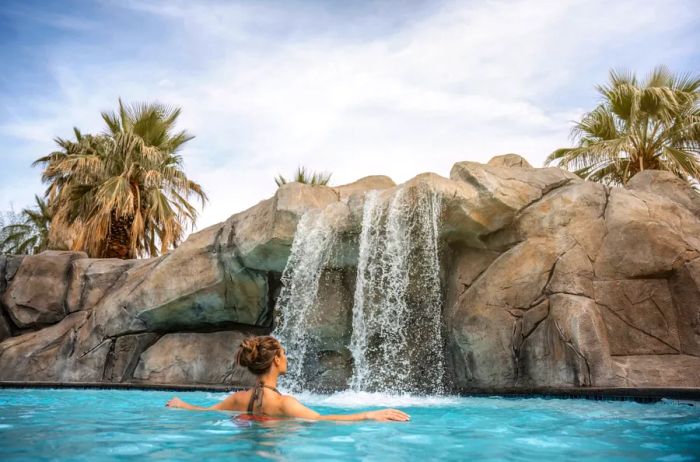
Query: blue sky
{"x": 353, "y": 88}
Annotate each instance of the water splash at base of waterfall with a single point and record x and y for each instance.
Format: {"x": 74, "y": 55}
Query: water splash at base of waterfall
{"x": 396, "y": 332}
{"x": 313, "y": 242}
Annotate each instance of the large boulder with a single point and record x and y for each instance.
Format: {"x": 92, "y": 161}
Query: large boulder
{"x": 200, "y": 285}
{"x": 668, "y": 185}
{"x": 203, "y": 282}
{"x": 647, "y": 235}
{"x": 481, "y": 323}
{"x": 478, "y": 201}
{"x": 3, "y": 265}
{"x": 6, "y": 326}
{"x": 361, "y": 186}
{"x": 508, "y": 190}
{"x": 509, "y": 161}
{"x": 92, "y": 278}
{"x": 465, "y": 265}
{"x": 194, "y": 358}
{"x": 50, "y": 354}
{"x": 462, "y": 208}
{"x": 264, "y": 233}
{"x": 573, "y": 273}
{"x": 36, "y": 295}
{"x": 125, "y": 354}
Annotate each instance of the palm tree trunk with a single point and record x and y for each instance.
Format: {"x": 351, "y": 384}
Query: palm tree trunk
{"x": 118, "y": 243}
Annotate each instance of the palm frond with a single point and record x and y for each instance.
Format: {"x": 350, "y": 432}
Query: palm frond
{"x": 652, "y": 123}
{"x": 302, "y": 175}
{"x": 99, "y": 181}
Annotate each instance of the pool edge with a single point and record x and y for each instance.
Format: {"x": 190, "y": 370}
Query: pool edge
{"x": 645, "y": 394}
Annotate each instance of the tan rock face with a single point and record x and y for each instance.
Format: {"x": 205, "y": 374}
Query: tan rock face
{"x": 36, "y": 296}
{"x": 361, "y": 186}
{"x": 482, "y": 321}
{"x": 124, "y": 356}
{"x": 328, "y": 358}
{"x": 685, "y": 290}
{"x": 567, "y": 348}
{"x": 573, "y": 273}
{"x": 509, "y": 161}
{"x": 574, "y": 213}
{"x": 5, "y": 329}
{"x": 91, "y": 279}
{"x": 613, "y": 276}
{"x": 667, "y": 185}
{"x": 639, "y": 315}
{"x": 200, "y": 284}
{"x": 263, "y": 234}
{"x": 548, "y": 281}
{"x": 194, "y": 358}
{"x": 508, "y": 190}
{"x": 47, "y": 355}
{"x": 5, "y": 323}
{"x": 465, "y": 265}
{"x": 646, "y": 235}
{"x": 656, "y": 370}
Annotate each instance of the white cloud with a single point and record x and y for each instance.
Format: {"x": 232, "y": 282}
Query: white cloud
{"x": 467, "y": 82}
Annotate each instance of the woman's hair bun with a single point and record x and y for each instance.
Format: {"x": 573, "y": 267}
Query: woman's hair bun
{"x": 248, "y": 351}
{"x": 257, "y": 353}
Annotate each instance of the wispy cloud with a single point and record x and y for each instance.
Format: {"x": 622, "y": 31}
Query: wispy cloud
{"x": 386, "y": 88}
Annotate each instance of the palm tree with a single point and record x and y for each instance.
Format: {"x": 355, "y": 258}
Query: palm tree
{"x": 649, "y": 124}
{"x": 124, "y": 191}
{"x": 31, "y": 236}
{"x": 302, "y": 176}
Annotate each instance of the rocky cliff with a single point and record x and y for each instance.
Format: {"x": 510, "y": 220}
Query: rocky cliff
{"x": 547, "y": 280}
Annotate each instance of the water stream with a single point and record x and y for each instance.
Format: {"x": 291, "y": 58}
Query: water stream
{"x": 311, "y": 250}
{"x": 396, "y": 334}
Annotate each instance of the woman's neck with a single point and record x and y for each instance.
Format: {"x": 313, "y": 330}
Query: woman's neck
{"x": 269, "y": 379}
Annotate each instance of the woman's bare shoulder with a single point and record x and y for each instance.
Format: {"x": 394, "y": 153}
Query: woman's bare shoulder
{"x": 235, "y": 401}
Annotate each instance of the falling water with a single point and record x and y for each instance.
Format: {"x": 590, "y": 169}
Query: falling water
{"x": 396, "y": 338}
{"x": 311, "y": 249}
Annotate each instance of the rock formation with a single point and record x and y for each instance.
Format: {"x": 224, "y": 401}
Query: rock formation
{"x": 548, "y": 281}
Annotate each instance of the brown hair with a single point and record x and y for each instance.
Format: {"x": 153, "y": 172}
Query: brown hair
{"x": 257, "y": 353}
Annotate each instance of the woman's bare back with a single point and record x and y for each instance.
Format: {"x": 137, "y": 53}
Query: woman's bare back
{"x": 277, "y": 405}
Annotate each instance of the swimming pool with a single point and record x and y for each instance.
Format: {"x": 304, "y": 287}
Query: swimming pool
{"x": 72, "y": 424}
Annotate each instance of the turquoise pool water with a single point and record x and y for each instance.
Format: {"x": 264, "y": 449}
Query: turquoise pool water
{"x": 40, "y": 425}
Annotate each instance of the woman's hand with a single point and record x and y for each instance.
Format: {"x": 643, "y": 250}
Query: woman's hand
{"x": 176, "y": 402}
{"x": 387, "y": 414}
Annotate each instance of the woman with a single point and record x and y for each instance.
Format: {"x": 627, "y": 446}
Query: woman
{"x": 265, "y": 357}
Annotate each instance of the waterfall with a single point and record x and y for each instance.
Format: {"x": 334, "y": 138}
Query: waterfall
{"x": 396, "y": 332}
{"x": 296, "y": 304}
{"x": 396, "y": 339}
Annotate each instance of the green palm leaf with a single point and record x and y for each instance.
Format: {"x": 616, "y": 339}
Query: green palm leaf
{"x": 305, "y": 177}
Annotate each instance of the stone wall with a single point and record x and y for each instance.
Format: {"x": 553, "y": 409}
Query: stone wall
{"x": 549, "y": 281}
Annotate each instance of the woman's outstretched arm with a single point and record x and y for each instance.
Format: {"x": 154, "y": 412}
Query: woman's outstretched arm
{"x": 228, "y": 404}
{"x": 293, "y": 408}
